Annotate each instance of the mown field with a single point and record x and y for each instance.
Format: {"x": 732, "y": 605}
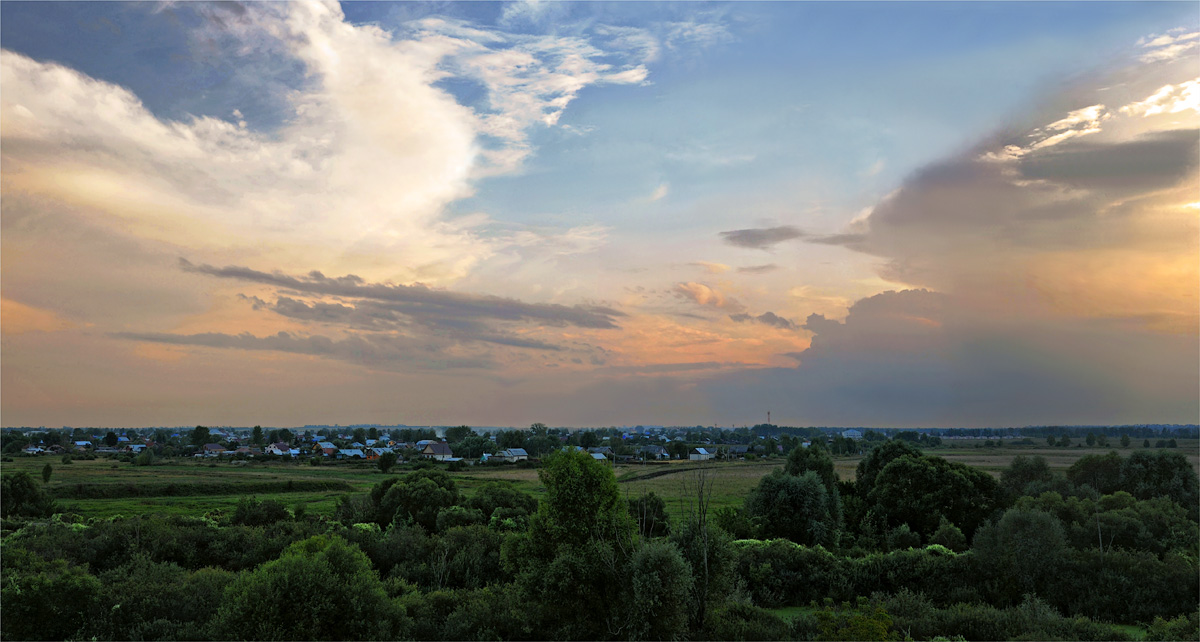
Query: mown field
{"x": 105, "y": 487}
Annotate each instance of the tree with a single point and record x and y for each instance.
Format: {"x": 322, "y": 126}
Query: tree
{"x": 511, "y": 439}
{"x": 1023, "y": 472}
{"x": 1064, "y": 441}
{"x": 496, "y": 495}
{"x": 919, "y": 491}
{"x": 23, "y": 497}
{"x": 581, "y": 502}
{"x": 46, "y": 600}
{"x": 457, "y": 433}
{"x": 1125, "y": 441}
{"x": 419, "y": 496}
{"x": 1101, "y": 472}
{"x": 386, "y": 461}
{"x": 1091, "y": 439}
{"x": 1146, "y": 443}
{"x": 794, "y": 507}
{"x": 472, "y": 447}
{"x": 360, "y": 435}
{"x": 950, "y": 536}
{"x": 373, "y": 433}
{"x": 321, "y": 588}
{"x": 588, "y": 439}
{"x": 1050, "y": 440}
{"x": 877, "y": 459}
{"x": 661, "y": 590}
{"x": 1146, "y": 475}
{"x": 111, "y": 439}
{"x": 1024, "y": 549}
{"x": 814, "y": 458}
{"x": 650, "y": 512}
{"x": 256, "y": 435}
{"x": 200, "y": 436}
{"x": 47, "y": 471}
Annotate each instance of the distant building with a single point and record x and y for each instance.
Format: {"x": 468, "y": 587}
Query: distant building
{"x": 852, "y": 434}
{"x": 438, "y": 451}
{"x": 325, "y": 448}
{"x": 700, "y": 454}
{"x": 654, "y": 451}
{"x": 213, "y": 450}
{"x": 512, "y": 455}
{"x": 737, "y": 450}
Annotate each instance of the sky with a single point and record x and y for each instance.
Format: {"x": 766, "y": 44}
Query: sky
{"x": 893, "y": 214}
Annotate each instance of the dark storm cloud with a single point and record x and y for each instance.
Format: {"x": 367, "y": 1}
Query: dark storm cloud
{"x": 419, "y": 300}
{"x": 917, "y": 358}
{"x": 387, "y": 352}
{"x": 1153, "y": 161}
{"x": 768, "y": 318}
{"x": 761, "y": 238}
{"x": 371, "y": 315}
{"x": 758, "y": 269}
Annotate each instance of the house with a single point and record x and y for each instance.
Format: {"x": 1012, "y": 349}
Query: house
{"x": 351, "y": 453}
{"x": 274, "y": 449}
{"x": 654, "y": 452}
{"x": 700, "y": 454}
{"x": 325, "y": 448}
{"x": 439, "y": 451}
{"x": 512, "y": 455}
{"x": 737, "y": 450}
{"x": 852, "y": 434}
{"x": 80, "y": 445}
{"x": 374, "y": 453}
{"x": 599, "y": 457}
{"x": 34, "y": 450}
{"x": 603, "y": 450}
{"x": 213, "y": 450}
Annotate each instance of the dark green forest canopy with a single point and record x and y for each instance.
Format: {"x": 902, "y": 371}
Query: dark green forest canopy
{"x": 918, "y": 546}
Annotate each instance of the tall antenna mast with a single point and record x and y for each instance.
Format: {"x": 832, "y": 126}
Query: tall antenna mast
{"x": 768, "y": 417}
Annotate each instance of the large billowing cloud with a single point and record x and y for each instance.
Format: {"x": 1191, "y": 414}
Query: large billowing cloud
{"x": 1061, "y": 266}
{"x": 102, "y": 196}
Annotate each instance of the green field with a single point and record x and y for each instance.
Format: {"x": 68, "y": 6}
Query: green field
{"x": 105, "y": 487}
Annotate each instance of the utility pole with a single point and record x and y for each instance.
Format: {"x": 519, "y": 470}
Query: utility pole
{"x": 768, "y": 417}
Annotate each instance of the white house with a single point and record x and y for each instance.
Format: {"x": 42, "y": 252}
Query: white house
{"x": 852, "y": 434}
{"x": 700, "y": 454}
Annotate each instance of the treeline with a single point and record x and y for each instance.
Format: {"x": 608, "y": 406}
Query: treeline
{"x": 917, "y": 547}
{"x": 172, "y": 489}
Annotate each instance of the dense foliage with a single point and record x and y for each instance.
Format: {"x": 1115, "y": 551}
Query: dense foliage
{"x": 917, "y": 548}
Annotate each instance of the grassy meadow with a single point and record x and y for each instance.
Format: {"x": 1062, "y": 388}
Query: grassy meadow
{"x": 106, "y": 487}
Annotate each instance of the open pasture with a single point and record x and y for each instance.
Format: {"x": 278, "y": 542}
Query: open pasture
{"x": 105, "y": 487}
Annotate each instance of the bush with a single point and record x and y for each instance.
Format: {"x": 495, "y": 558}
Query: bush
{"x": 1184, "y": 627}
{"x": 738, "y": 621}
{"x": 902, "y": 537}
{"x": 950, "y": 536}
{"x": 251, "y": 512}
